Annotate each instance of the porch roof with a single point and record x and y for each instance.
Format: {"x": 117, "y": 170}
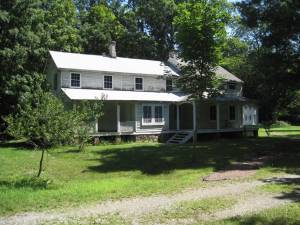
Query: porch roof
{"x": 110, "y": 95}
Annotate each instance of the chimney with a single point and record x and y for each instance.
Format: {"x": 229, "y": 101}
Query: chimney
{"x": 112, "y": 50}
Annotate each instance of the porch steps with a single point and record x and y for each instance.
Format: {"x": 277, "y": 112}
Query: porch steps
{"x": 180, "y": 138}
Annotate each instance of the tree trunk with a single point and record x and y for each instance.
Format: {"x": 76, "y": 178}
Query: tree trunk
{"x": 41, "y": 163}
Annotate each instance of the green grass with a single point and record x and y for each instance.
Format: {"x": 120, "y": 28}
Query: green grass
{"x": 280, "y": 188}
{"x": 281, "y": 131}
{"x": 284, "y": 215}
{"x": 73, "y": 178}
{"x": 190, "y": 210}
{"x": 107, "y": 219}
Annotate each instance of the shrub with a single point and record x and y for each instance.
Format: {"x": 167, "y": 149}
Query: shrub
{"x": 43, "y": 120}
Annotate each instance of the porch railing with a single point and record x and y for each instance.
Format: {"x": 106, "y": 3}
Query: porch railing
{"x": 127, "y": 126}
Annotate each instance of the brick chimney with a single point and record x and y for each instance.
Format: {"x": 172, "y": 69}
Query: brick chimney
{"x": 112, "y": 50}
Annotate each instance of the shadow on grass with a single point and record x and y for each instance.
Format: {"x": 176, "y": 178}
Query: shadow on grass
{"x": 294, "y": 182}
{"x": 218, "y": 155}
{"x": 19, "y": 145}
{"x": 263, "y": 220}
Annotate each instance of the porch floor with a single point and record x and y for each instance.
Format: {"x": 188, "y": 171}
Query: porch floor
{"x": 199, "y": 131}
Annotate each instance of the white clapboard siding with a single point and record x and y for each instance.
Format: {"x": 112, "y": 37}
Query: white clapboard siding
{"x": 125, "y": 82}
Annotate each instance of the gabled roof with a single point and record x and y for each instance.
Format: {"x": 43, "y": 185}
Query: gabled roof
{"x": 225, "y": 74}
{"x": 176, "y": 63}
{"x": 110, "y": 95}
{"x": 75, "y": 61}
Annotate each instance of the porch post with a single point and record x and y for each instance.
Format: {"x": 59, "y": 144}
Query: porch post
{"x": 135, "y": 108}
{"x": 218, "y": 116}
{"x": 96, "y": 125}
{"x": 194, "y": 123}
{"x": 177, "y": 117}
{"x": 118, "y": 118}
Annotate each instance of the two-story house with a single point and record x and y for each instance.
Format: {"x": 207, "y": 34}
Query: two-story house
{"x": 140, "y": 97}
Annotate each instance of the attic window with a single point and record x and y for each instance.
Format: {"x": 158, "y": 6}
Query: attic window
{"x": 169, "y": 85}
{"x": 231, "y": 86}
{"x": 75, "y": 80}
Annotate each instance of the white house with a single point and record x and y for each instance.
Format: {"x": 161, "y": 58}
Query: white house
{"x": 140, "y": 97}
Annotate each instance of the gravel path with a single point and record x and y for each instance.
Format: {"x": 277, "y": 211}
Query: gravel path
{"x": 134, "y": 207}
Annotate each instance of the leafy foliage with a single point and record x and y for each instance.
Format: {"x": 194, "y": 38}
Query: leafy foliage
{"x": 99, "y": 27}
{"x": 28, "y": 30}
{"x": 272, "y": 28}
{"x": 200, "y": 32}
{"x": 45, "y": 122}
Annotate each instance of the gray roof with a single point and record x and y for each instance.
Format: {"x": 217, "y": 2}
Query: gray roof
{"x": 225, "y": 74}
{"x": 176, "y": 63}
{"x": 76, "y": 61}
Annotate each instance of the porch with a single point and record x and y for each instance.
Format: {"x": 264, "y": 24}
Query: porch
{"x": 126, "y": 118}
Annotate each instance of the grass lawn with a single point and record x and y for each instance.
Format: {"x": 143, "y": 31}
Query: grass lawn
{"x": 284, "y": 215}
{"x": 282, "y": 131}
{"x": 134, "y": 169}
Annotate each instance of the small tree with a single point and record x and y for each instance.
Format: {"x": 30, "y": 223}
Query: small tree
{"x": 200, "y": 32}
{"x": 87, "y": 112}
{"x": 44, "y": 122}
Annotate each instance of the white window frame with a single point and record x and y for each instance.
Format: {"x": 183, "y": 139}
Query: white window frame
{"x": 235, "y": 111}
{"x": 162, "y": 114}
{"x": 153, "y": 115}
{"x": 135, "y": 84}
{"x": 112, "y": 82}
{"x": 151, "y": 119}
{"x": 71, "y": 80}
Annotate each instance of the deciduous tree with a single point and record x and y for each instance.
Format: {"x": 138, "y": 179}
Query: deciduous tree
{"x": 200, "y": 32}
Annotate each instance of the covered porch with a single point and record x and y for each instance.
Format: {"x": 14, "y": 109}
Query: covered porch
{"x": 118, "y": 117}
{"x": 206, "y": 116}
{"x": 126, "y": 118}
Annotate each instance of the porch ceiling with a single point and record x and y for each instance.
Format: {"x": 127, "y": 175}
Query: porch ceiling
{"x": 110, "y": 95}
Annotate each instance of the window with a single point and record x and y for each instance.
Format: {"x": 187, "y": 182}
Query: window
{"x": 138, "y": 83}
{"x": 232, "y": 112}
{"x": 147, "y": 115}
{"x": 158, "y": 114}
{"x": 107, "y": 82}
{"x": 231, "y": 86}
{"x": 169, "y": 85}
{"x": 213, "y": 112}
{"x": 75, "y": 80}
{"x": 153, "y": 114}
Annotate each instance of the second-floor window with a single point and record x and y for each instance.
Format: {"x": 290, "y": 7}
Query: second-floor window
{"x": 75, "y": 80}
{"x": 213, "y": 112}
{"x": 169, "y": 85}
{"x": 139, "y": 83}
{"x": 231, "y": 112}
{"x": 107, "y": 82}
